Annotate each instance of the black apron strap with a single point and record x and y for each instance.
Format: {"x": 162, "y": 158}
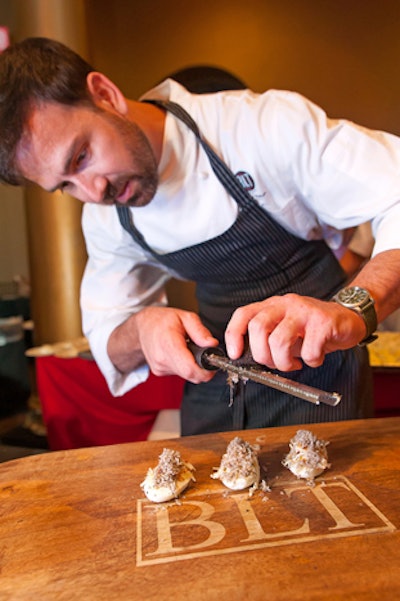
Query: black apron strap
{"x": 221, "y": 170}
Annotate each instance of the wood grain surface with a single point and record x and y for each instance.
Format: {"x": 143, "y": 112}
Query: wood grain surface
{"x": 75, "y": 524}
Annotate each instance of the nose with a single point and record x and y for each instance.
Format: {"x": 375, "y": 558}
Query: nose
{"x": 91, "y": 188}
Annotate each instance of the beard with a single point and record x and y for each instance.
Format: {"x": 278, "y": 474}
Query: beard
{"x": 144, "y": 178}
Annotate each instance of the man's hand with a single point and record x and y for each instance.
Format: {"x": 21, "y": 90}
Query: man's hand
{"x": 157, "y": 336}
{"x": 284, "y": 329}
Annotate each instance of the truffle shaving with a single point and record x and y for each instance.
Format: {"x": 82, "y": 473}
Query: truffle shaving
{"x": 239, "y": 467}
{"x": 307, "y": 457}
{"x": 169, "y": 478}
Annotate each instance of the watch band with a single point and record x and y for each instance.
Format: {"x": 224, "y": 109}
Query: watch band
{"x": 369, "y": 315}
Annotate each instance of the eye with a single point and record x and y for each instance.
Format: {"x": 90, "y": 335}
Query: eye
{"x": 81, "y": 157}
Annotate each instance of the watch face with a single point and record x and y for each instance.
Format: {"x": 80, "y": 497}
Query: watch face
{"x": 353, "y": 296}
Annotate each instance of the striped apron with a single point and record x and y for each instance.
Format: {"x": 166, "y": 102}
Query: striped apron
{"x": 254, "y": 259}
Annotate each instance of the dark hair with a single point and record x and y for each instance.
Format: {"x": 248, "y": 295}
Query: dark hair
{"x": 33, "y": 71}
{"x": 203, "y": 79}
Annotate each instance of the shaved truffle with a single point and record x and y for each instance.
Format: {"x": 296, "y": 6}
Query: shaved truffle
{"x": 169, "y": 478}
{"x": 239, "y": 467}
{"x": 307, "y": 457}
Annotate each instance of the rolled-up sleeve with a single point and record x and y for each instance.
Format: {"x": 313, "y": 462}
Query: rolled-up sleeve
{"x": 119, "y": 280}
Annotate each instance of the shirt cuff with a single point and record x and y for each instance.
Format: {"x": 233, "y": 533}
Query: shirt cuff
{"x": 118, "y": 383}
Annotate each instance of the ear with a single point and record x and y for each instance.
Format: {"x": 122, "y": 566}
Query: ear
{"x": 104, "y": 92}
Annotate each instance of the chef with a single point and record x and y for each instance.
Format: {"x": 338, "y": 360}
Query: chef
{"x": 247, "y": 195}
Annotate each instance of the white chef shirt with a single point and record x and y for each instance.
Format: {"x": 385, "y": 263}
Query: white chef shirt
{"x": 316, "y": 176}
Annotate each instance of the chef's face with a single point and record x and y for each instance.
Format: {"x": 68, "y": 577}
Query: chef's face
{"x": 93, "y": 154}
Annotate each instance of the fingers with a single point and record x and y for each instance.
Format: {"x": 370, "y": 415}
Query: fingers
{"x": 290, "y": 350}
{"x": 280, "y": 349}
{"x": 196, "y": 330}
{"x": 163, "y": 336}
{"x": 283, "y": 332}
{"x": 238, "y": 328}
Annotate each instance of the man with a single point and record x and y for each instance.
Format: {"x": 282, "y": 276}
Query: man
{"x": 160, "y": 204}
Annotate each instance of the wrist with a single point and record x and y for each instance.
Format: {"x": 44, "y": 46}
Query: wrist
{"x": 124, "y": 348}
{"x": 360, "y": 301}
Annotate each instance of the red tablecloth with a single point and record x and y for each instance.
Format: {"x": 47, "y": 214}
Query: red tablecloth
{"x": 386, "y": 391}
{"x": 79, "y": 410}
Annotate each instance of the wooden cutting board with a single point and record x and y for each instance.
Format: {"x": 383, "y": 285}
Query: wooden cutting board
{"x": 75, "y": 524}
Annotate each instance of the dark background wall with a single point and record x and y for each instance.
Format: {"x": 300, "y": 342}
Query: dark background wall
{"x": 343, "y": 54}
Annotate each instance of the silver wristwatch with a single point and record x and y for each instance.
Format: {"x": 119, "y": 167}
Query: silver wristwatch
{"x": 360, "y": 301}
